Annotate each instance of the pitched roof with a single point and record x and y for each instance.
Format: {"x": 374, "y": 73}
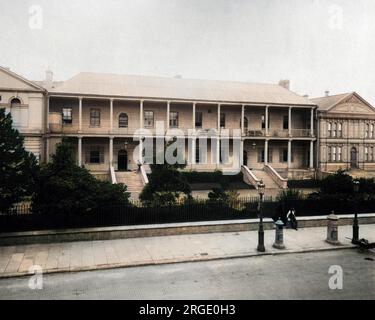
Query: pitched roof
{"x": 22, "y": 79}
{"x": 328, "y": 102}
{"x": 99, "y": 84}
{"x": 325, "y": 103}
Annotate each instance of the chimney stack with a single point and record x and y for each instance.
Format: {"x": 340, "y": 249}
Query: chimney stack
{"x": 326, "y": 93}
{"x": 49, "y": 78}
{"x": 284, "y": 83}
{"x": 305, "y": 96}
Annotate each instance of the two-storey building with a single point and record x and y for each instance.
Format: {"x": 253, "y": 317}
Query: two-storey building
{"x": 346, "y": 132}
{"x": 26, "y": 102}
{"x": 103, "y": 112}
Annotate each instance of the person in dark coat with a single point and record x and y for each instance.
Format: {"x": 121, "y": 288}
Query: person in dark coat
{"x": 292, "y": 219}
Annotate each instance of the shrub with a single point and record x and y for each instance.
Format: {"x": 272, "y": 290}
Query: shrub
{"x": 64, "y": 187}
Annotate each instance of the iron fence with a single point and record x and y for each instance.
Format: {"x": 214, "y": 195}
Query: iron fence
{"x": 21, "y": 218}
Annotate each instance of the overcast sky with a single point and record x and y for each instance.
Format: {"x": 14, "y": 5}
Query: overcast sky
{"x": 318, "y": 44}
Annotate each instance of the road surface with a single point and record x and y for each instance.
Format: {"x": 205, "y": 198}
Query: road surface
{"x": 290, "y": 276}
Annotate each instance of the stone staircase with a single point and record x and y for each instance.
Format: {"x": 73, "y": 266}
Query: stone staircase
{"x": 265, "y": 177}
{"x": 133, "y": 181}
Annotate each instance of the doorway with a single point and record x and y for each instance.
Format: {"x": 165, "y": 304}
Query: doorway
{"x": 122, "y": 160}
{"x": 353, "y": 158}
{"x": 244, "y": 160}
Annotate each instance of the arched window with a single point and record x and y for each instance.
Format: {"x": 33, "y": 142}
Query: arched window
{"x": 15, "y": 102}
{"x": 123, "y": 120}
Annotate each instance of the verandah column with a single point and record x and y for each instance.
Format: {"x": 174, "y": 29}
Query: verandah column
{"x": 141, "y": 114}
{"x": 289, "y": 153}
{"x": 242, "y": 119}
{"x": 168, "y": 114}
{"x": 111, "y": 115}
{"x": 311, "y": 154}
{"x": 193, "y": 124}
{"x": 290, "y": 121}
{"x": 266, "y": 120}
{"x": 218, "y": 117}
{"x": 312, "y": 122}
{"x": 80, "y": 151}
{"x": 110, "y": 151}
{"x": 80, "y": 114}
{"x": 265, "y": 152}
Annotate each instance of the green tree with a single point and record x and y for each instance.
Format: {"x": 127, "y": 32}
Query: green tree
{"x": 338, "y": 183}
{"x": 17, "y": 166}
{"x": 64, "y": 187}
{"x": 166, "y": 183}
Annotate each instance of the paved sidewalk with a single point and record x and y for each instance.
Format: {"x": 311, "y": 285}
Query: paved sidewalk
{"x": 93, "y": 255}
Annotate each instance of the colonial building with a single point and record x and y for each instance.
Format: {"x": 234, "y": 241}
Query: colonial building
{"x": 346, "y": 134}
{"x": 26, "y": 102}
{"x": 102, "y": 114}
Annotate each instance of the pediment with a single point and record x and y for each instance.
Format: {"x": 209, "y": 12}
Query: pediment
{"x": 353, "y": 107}
{"x": 10, "y": 80}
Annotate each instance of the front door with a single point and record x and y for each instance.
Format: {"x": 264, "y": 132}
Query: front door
{"x": 244, "y": 158}
{"x": 353, "y": 158}
{"x": 122, "y": 160}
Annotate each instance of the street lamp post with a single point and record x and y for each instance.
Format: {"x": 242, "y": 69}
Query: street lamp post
{"x": 355, "y": 221}
{"x": 261, "y": 248}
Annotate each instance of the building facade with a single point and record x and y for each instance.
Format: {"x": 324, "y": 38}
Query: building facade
{"x": 346, "y": 134}
{"x": 103, "y": 114}
{"x": 270, "y": 129}
{"x": 26, "y": 101}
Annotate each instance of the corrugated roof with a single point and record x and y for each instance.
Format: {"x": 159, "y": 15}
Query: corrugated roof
{"x": 325, "y": 103}
{"x": 176, "y": 88}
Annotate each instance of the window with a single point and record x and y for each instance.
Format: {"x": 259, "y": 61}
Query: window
{"x": 198, "y": 119}
{"x": 366, "y": 154}
{"x": 123, "y": 120}
{"x": 371, "y": 130}
{"x": 329, "y": 129}
{"x": 66, "y": 115}
{"x": 284, "y": 155}
{"x": 371, "y": 154}
{"x": 334, "y": 130}
{"x": 95, "y": 155}
{"x": 0, "y": 98}
{"x": 173, "y": 119}
{"x": 95, "y": 117}
{"x": 245, "y": 122}
{"x": 263, "y": 119}
{"x": 329, "y": 153}
{"x": 261, "y": 155}
{"x": 197, "y": 153}
{"x": 15, "y": 102}
{"x": 338, "y": 154}
{"x": 339, "y": 129}
{"x": 149, "y": 119}
{"x": 367, "y": 130}
{"x": 222, "y": 120}
{"x": 285, "y": 122}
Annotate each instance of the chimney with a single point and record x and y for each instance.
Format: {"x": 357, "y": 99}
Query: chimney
{"x": 326, "y": 93}
{"x": 49, "y": 78}
{"x": 305, "y": 96}
{"x": 284, "y": 83}
{"x": 178, "y": 76}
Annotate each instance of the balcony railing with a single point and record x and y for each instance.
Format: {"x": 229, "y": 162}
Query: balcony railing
{"x": 255, "y": 133}
{"x": 301, "y": 132}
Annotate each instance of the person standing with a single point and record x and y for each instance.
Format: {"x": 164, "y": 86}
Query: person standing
{"x": 291, "y": 216}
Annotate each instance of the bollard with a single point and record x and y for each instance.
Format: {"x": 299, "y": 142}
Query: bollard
{"x": 279, "y": 235}
{"x": 332, "y": 229}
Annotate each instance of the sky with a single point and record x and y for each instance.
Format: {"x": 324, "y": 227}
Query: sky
{"x": 318, "y": 45}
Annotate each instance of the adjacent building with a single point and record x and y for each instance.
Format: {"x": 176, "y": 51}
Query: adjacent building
{"x": 346, "y": 132}
{"x": 26, "y": 101}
